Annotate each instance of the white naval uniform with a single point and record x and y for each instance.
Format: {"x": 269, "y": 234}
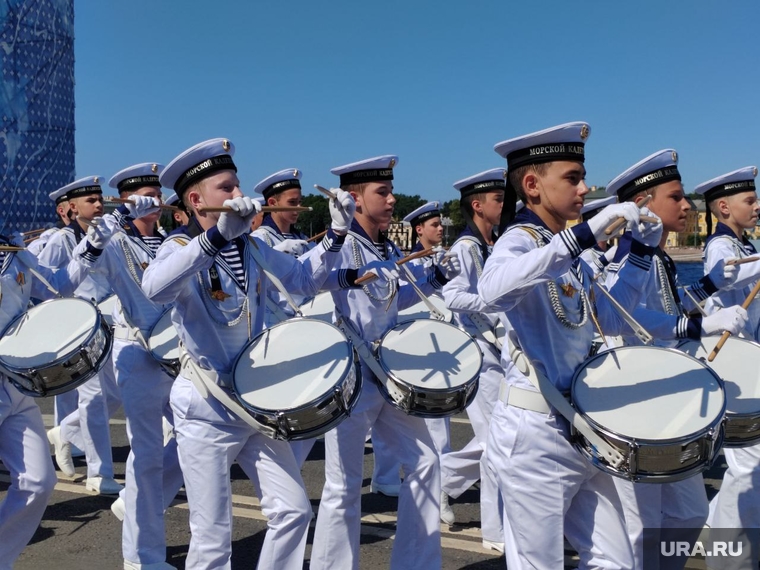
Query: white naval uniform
{"x": 336, "y": 538}
{"x": 549, "y": 488}
{"x": 209, "y": 436}
{"x": 461, "y": 295}
{"x": 24, "y": 449}
{"x": 681, "y": 504}
{"x": 153, "y": 475}
{"x": 87, "y": 428}
{"x": 737, "y": 504}
{"x": 270, "y": 234}
{"x": 38, "y": 245}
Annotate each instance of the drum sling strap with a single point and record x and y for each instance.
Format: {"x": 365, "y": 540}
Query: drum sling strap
{"x": 207, "y": 382}
{"x": 262, "y": 263}
{"x": 555, "y": 398}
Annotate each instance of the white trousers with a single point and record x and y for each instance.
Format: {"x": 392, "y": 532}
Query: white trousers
{"x": 550, "y": 492}
{"x": 65, "y": 404}
{"x": 209, "y": 439}
{"x": 737, "y": 504}
{"x": 87, "y": 427}
{"x": 337, "y": 534}
{"x": 679, "y": 505}
{"x": 25, "y": 452}
{"x": 153, "y": 475}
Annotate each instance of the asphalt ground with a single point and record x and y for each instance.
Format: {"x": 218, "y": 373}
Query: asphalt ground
{"x": 78, "y": 530}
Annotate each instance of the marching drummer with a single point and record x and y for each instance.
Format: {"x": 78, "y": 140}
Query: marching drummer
{"x": 86, "y": 427}
{"x": 427, "y": 230}
{"x": 536, "y": 276}
{"x": 732, "y": 199}
{"x": 24, "y": 449}
{"x": 120, "y": 246}
{"x": 366, "y": 312}
{"x": 207, "y": 270}
{"x": 63, "y": 212}
{"x": 682, "y": 504}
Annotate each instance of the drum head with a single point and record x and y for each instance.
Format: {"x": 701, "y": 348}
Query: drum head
{"x": 164, "y": 341}
{"x": 291, "y": 364}
{"x": 320, "y": 307}
{"x": 430, "y": 354}
{"x": 421, "y": 311}
{"x": 648, "y": 393}
{"x": 738, "y": 364}
{"x": 47, "y": 332}
{"x": 106, "y": 307}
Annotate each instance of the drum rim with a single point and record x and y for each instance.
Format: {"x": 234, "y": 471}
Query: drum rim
{"x": 248, "y": 406}
{"x": 447, "y": 313}
{"x": 150, "y": 338}
{"x": 97, "y": 325}
{"x": 398, "y": 380}
{"x": 718, "y": 421}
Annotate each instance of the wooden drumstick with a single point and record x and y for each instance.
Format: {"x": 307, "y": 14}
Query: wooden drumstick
{"x": 319, "y": 236}
{"x": 724, "y": 337}
{"x": 326, "y": 192}
{"x": 32, "y": 232}
{"x": 265, "y": 209}
{"x": 742, "y": 260}
{"x": 372, "y": 276}
{"x": 11, "y": 248}
{"x": 614, "y": 227}
{"x": 128, "y": 201}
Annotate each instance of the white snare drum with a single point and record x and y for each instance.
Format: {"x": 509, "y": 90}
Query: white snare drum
{"x": 54, "y": 347}
{"x": 297, "y": 379}
{"x": 421, "y": 311}
{"x": 662, "y": 409}
{"x": 106, "y": 307}
{"x": 738, "y": 364}
{"x": 163, "y": 343}
{"x": 432, "y": 368}
{"x": 320, "y": 307}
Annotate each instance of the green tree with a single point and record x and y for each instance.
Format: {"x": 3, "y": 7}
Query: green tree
{"x": 316, "y": 221}
{"x": 406, "y": 204}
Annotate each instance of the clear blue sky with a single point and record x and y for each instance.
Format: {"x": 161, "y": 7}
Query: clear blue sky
{"x": 314, "y": 85}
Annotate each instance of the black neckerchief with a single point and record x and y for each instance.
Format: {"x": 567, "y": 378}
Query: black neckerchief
{"x": 485, "y": 249}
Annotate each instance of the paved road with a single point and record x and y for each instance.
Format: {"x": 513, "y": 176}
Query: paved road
{"x": 78, "y": 530}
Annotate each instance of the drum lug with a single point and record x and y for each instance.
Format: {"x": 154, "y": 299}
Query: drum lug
{"x": 633, "y": 455}
{"x": 340, "y": 401}
{"x": 83, "y": 354}
{"x": 38, "y": 382}
{"x": 284, "y": 427}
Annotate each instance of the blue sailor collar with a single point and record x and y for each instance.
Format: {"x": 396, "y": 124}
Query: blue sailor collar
{"x": 417, "y": 247}
{"x": 363, "y": 237}
{"x": 528, "y": 216}
{"x": 722, "y": 230}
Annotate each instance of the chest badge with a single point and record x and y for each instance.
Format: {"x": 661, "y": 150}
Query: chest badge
{"x": 568, "y": 290}
{"x": 219, "y": 295}
{"x": 21, "y": 278}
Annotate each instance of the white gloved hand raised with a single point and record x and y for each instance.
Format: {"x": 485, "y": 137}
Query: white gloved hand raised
{"x": 387, "y": 270}
{"x": 731, "y": 319}
{"x": 609, "y": 215}
{"x": 238, "y": 221}
{"x": 341, "y": 210}
{"x": 292, "y": 246}
{"x": 100, "y": 232}
{"x": 448, "y": 264}
{"x": 142, "y": 205}
{"x": 722, "y": 275}
{"x": 647, "y": 233}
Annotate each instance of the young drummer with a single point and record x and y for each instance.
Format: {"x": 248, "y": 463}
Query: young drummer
{"x": 368, "y": 312}
{"x": 732, "y": 199}
{"x": 427, "y": 230}
{"x": 87, "y": 427}
{"x": 682, "y": 504}
{"x": 207, "y": 270}
{"x": 63, "y": 212}
{"x": 120, "y": 248}
{"x": 535, "y": 274}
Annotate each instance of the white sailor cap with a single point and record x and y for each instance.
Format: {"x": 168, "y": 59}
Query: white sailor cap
{"x": 424, "y": 213}
{"x": 742, "y": 180}
{"x": 82, "y": 187}
{"x": 375, "y": 169}
{"x": 137, "y": 176}
{"x": 563, "y": 142}
{"x": 261, "y": 200}
{"x": 172, "y": 199}
{"x": 592, "y": 207}
{"x": 656, "y": 169}
{"x": 197, "y": 163}
{"x": 519, "y": 206}
{"x": 487, "y": 181}
{"x": 279, "y": 182}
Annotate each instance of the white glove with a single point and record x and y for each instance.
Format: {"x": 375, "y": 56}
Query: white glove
{"x": 341, "y": 210}
{"x": 722, "y": 275}
{"x": 238, "y": 221}
{"x": 387, "y": 270}
{"x": 142, "y": 205}
{"x": 99, "y": 232}
{"x": 292, "y": 246}
{"x": 609, "y": 215}
{"x": 448, "y": 264}
{"x": 731, "y": 319}
{"x": 645, "y": 232}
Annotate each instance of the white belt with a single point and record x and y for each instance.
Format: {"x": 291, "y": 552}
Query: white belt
{"x": 523, "y": 398}
{"x": 125, "y": 333}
